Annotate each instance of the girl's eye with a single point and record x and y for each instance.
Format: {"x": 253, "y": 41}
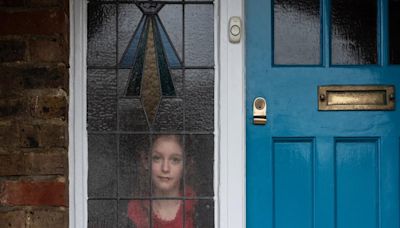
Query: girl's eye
{"x": 156, "y": 158}
{"x": 176, "y": 160}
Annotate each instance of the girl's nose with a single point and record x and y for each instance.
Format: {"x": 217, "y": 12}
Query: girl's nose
{"x": 165, "y": 166}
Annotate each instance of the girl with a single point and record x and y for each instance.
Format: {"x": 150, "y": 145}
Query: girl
{"x": 167, "y": 169}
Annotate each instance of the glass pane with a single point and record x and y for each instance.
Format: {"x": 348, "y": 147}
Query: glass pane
{"x": 102, "y": 100}
{"x": 169, "y": 115}
{"x": 199, "y": 35}
{"x": 297, "y": 32}
{"x": 129, "y": 17}
{"x": 204, "y": 212}
{"x": 134, "y": 172}
{"x": 102, "y": 214}
{"x": 199, "y": 100}
{"x": 394, "y": 23}
{"x": 171, "y": 17}
{"x": 354, "y": 32}
{"x": 200, "y": 164}
{"x": 134, "y": 214}
{"x": 101, "y": 50}
{"x": 102, "y": 177}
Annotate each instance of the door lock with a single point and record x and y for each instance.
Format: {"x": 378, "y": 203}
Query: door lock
{"x": 259, "y": 111}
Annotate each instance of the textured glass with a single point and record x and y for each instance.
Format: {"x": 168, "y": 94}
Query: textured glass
{"x": 150, "y": 116}
{"x": 394, "y": 31}
{"x": 134, "y": 213}
{"x": 297, "y": 28}
{"x": 204, "y": 213}
{"x": 170, "y": 52}
{"x": 199, "y": 100}
{"x": 101, "y": 50}
{"x": 129, "y": 33}
{"x": 177, "y": 78}
{"x": 199, "y": 35}
{"x": 131, "y": 115}
{"x": 354, "y": 32}
{"x": 171, "y": 16}
{"x": 169, "y": 115}
{"x": 102, "y": 214}
{"x": 102, "y": 100}
{"x": 102, "y": 173}
{"x": 134, "y": 173}
{"x": 200, "y": 163}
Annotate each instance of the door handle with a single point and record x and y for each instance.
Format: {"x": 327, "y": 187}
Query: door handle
{"x": 259, "y": 111}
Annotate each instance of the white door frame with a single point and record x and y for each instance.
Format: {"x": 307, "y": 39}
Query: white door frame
{"x": 230, "y": 157}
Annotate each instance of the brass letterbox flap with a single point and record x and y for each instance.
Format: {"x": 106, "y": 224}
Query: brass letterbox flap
{"x": 356, "y": 97}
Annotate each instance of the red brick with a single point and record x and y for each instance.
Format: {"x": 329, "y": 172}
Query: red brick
{"x": 48, "y": 103}
{"x": 13, "y": 219}
{"x": 42, "y": 22}
{"x": 48, "y": 218}
{"x": 12, "y": 50}
{"x": 32, "y": 193}
{"x": 48, "y": 50}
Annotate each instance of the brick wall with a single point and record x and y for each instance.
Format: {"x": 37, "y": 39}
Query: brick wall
{"x": 33, "y": 113}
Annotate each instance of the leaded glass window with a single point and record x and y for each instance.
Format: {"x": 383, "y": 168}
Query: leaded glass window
{"x": 150, "y": 113}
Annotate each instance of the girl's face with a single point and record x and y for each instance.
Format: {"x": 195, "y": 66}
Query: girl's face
{"x": 167, "y": 165}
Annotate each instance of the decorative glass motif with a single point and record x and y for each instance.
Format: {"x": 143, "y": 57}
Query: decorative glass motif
{"x": 150, "y": 55}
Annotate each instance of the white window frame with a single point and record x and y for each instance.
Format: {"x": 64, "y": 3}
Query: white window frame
{"x": 230, "y": 157}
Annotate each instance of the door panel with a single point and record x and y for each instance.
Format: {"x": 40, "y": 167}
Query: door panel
{"x": 310, "y": 168}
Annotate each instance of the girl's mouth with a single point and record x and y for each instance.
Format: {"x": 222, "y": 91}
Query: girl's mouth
{"x": 164, "y": 178}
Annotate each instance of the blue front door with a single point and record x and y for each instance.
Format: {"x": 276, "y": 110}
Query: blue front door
{"x": 312, "y": 168}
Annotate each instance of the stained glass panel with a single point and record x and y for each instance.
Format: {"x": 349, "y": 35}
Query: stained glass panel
{"x": 150, "y": 113}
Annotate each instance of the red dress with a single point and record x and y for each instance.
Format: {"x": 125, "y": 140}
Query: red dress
{"x": 138, "y": 213}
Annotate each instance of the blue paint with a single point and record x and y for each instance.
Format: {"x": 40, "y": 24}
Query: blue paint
{"x": 307, "y": 168}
